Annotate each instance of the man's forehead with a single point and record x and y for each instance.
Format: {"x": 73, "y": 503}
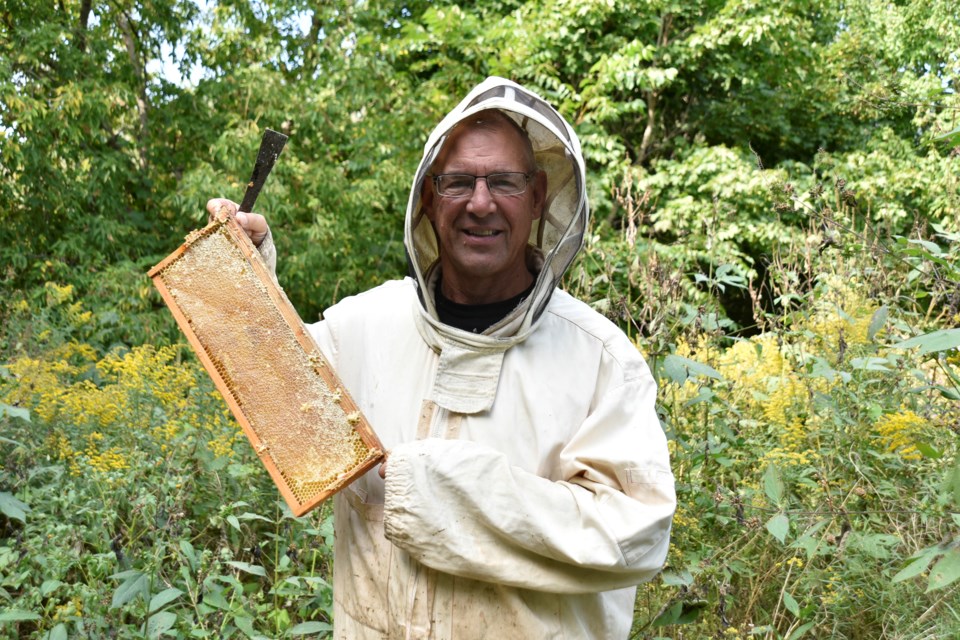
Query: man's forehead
{"x": 493, "y": 121}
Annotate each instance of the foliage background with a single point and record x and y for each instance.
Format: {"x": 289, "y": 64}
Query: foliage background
{"x": 776, "y": 210}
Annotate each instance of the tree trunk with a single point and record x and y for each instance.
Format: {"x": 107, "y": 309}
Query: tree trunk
{"x": 129, "y": 39}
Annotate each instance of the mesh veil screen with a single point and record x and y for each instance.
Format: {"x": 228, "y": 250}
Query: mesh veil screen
{"x": 301, "y": 422}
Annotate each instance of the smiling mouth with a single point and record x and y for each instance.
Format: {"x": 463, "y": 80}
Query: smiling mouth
{"x": 482, "y": 233}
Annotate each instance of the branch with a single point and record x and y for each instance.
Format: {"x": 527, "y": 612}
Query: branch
{"x": 129, "y": 39}
{"x": 85, "y": 7}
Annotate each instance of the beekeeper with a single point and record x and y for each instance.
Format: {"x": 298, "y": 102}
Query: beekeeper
{"x": 528, "y": 487}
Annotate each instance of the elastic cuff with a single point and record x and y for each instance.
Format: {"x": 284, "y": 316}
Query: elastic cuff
{"x": 398, "y": 488}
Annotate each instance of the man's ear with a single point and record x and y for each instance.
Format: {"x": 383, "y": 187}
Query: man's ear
{"x": 539, "y": 193}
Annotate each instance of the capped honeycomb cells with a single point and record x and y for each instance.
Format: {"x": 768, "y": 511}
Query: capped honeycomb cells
{"x": 304, "y": 428}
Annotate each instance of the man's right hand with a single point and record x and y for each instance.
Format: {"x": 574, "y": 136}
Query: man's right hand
{"x": 253, "y": 223}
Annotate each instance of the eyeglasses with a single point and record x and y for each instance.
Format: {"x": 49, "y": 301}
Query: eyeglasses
{"x": 460, "y": 185}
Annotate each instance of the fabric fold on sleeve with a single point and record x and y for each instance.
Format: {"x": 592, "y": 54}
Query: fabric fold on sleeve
{"x": 459, "y": 507}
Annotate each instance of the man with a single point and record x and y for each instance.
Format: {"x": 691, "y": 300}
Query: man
{"x": 528, "y": 487}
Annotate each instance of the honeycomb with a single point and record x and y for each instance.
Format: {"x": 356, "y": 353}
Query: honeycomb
{"x": 300, "y": 421}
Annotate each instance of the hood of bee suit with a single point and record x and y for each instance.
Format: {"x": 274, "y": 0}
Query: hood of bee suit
{"x": 470, "y": 363}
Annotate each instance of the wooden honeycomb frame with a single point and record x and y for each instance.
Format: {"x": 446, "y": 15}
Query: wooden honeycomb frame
{"x": 302, "y": 423}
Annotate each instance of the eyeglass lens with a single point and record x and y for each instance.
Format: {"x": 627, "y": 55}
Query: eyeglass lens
{"x": 462, "y": 184}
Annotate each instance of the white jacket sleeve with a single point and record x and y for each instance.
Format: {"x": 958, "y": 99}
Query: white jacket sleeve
{"x": 459, "y": 507}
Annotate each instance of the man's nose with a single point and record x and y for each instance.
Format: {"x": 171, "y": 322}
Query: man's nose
{"x": 481, "y": 200}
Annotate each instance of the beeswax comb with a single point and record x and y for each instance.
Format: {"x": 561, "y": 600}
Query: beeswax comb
{"x": 302, "y": 423}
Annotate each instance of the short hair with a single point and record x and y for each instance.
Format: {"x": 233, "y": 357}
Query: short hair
{"x": 491, "y": 120}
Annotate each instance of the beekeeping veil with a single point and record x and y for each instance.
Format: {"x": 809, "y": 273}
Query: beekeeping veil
{"x": 470, "y": 363}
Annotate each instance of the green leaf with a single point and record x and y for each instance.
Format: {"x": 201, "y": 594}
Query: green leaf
{"x": 797, "y": 633}
{"x": 214, "y": 598}
{"x": 49, "y": 586}
{"x": 164, "y": 598}
{"x": 953, "y": 484}
{"x": 949, "y": 134}
{"x": 306, "y": 628}
{"x": 779, "y": 526}
{"x": 932, "y": 247}
{"x": 14, "y": 412}
{"x": 928, "y": 450}
{"x": 18, "y": 615}
{"x": 59, "y": 632}
{"x": 13, "y": 508}
{"x": 791, "y": 604}
{"x": 232, "y": 519}
{"x": 916, "y": 564}
{"x": 255, "y": 569}
{"x": 675, "y": 369}
{"x": 773, "y": 484}
{"x": 677, "y": 578}
{"x": 870, "y": 364}
{"x": 946, "y": 571}
{"x": 932, "y": 342}
{"x": 189, "y": 552}
{"x": 245, "y": 624}
{"x": 160, "y": 623}
{"x": 253, "y": 516}
{"x": 877, "y": 321}
{"x": 669, "y": 615}
{"x": 135, "y": 584}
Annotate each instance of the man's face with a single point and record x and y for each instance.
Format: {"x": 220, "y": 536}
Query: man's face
{"x": 482, "y": 236}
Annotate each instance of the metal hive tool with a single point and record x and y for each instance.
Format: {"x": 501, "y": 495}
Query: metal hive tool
{"x": 304, "y": 426}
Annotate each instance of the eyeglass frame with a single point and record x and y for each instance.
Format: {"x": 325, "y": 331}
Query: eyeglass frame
{"x": 435, "y": 178}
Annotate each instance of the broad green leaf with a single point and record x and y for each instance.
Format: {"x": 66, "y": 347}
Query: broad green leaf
{"x": 136, "y": 584}
{"x": 306, "y": 628}
{"x": 189, "y": 552}
{"x": 677, "y": 578}
{"x": 877, "y": 321}
{"x": 255, "y": 569}
{"x": 916, "y": 564}
{"x": 946, "y": 571}
{"x": 253, "y": 516}
{"x": 928, "y": 450}
{"x": 160, "y": 623}
{"x": 932, "y": 247}
{"x": 18, "y": 615}
{"x": 773, "y": 484}
{"x": 245, "y": 624}
{"x": 14, "y": 412}
{"x": 59, "y": 632}
{"x": 870, "y": 364}
{"x": 232, "y": 519}
{"x": 779, "y": 526}
{"x": 49, "y": 586}
{"x": 791, "y": 604}
{"x": 953, "y": 485}
{"x": 949, "y": 134}
{"x": 698, "y": 368}
{"x": 674, "y": 369}
{"x": 13, "y": 508}
{"x": 669, "y": 616}
{"x": 214, "y": 598}
{"x": 932, "y": 342}
{"x": 164, "y": 598}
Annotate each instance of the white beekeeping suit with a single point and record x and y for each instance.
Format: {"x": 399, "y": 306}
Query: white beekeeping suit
{"x": 528, "y": 487}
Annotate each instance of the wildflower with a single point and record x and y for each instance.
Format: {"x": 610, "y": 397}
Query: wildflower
{"x": 899, "y": 433}
{"x": 57, "y": 295}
